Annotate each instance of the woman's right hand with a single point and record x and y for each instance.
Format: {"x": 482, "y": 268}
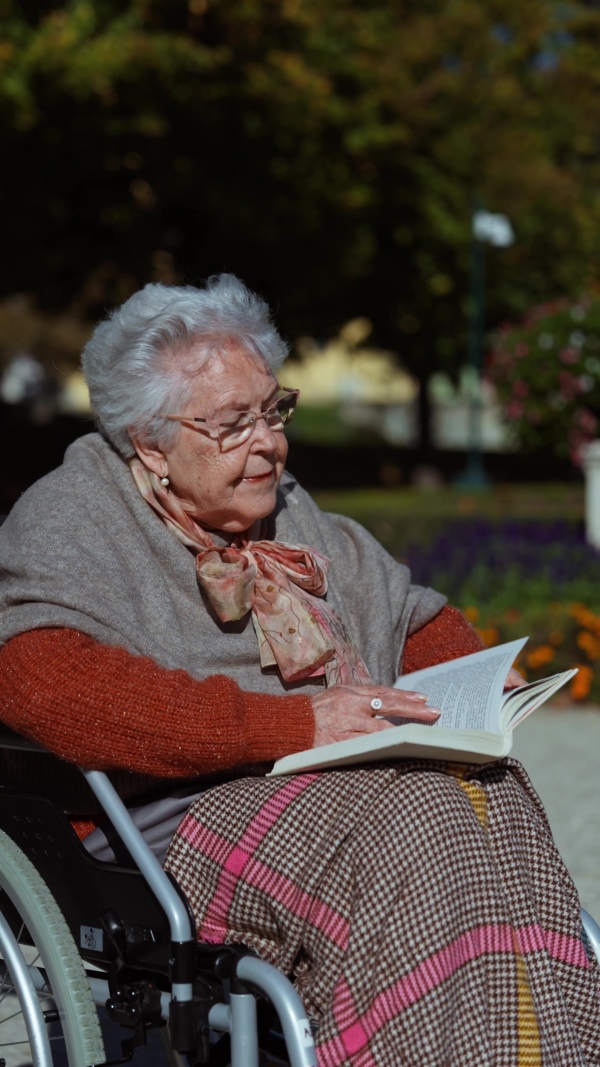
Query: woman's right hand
{"x": 343, "y": 711}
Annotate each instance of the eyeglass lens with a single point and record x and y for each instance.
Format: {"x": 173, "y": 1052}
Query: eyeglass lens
{"x": 276, "y": 416}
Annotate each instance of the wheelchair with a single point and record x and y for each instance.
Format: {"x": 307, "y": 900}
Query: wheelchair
{"x": 78, "y": 934}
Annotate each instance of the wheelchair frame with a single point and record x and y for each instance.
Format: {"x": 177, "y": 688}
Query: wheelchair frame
{"x": 136, "y": 927}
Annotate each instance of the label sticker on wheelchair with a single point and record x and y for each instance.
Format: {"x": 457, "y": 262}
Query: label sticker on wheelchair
{"x": 306, "y": 1034}
{"x": 91, "y": 938}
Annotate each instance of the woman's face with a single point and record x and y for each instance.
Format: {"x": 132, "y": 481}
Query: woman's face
{"x": 225, "y": 490}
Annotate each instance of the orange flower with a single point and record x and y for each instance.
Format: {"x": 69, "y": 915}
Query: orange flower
{"x": 556, "y": 637}
{"x": 582, "y": 682}
{"x": 512, "y": 615}
{"x": 589, "y": 643}
{"x": 471, "y": 613}
{"x": 585, "y": 617}
{"x": 538, "y": 657}
{"x": 489, "y": 635}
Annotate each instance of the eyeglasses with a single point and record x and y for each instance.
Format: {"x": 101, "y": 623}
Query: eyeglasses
{"x": 233, "y": 430}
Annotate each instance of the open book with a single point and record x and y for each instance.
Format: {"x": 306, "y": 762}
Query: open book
{"x": 476, "y": 722}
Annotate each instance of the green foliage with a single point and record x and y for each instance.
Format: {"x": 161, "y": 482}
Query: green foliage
{"x": 546, "y": 370}
{"x": 328, "y": 151}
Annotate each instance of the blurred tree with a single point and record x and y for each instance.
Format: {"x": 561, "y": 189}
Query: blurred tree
{"x": 328, "y": 151}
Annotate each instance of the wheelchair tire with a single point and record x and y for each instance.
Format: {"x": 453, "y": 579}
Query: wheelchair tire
{"x": 56, "y": 966}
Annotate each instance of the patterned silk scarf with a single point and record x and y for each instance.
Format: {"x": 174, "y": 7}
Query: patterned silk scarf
{"x": 279, "y": 583}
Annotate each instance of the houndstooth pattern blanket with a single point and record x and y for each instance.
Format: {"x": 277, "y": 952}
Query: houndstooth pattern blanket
{"x": 421, "y": 908}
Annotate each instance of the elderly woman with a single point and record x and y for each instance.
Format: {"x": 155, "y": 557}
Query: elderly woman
{"x": 176, "y": 609}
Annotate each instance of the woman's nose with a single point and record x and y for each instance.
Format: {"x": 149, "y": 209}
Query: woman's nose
{"x": 264, "y": 434}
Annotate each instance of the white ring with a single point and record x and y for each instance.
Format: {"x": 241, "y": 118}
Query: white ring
{"x": 376, "y": 704}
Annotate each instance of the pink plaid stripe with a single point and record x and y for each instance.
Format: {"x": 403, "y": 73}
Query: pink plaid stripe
{"x": 215, "y": 918}
{"x": 356, "y": 1032}
{"x": 560, "y": 946}
{"x": 352, "y": 1034}
{"x": 236, "y": 861}
{"x": 274, "y": 808}
{"x": 304, "y": 905}
{"x": 204, "y": 840}
{"x": 412, "y": 987}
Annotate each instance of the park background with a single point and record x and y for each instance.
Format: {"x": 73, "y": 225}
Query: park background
{"x": 338, "y": 157}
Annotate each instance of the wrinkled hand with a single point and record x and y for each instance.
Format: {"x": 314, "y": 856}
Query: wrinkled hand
{"x": 343, "y": 711}
{"x": 514, "y": 680}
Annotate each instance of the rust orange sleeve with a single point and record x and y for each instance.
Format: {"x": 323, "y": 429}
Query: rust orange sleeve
{"x": 105, "y": 708}
{"x": 446, "y": 637}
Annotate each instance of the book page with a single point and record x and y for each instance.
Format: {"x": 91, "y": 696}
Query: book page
{"x": 468, "y": 690}
{"x": 520, "y": 703}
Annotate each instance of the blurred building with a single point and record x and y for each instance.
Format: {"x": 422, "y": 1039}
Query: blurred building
{"x": 372, "y": 391}
{"x": 451, "y": 413}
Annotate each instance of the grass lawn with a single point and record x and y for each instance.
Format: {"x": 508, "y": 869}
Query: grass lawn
{"x": 400, "y": 517}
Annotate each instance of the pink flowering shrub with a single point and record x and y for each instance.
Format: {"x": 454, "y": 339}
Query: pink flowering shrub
{"x": 546, "y": 370}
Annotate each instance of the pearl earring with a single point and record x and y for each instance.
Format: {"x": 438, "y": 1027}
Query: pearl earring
{"x": 164, "y": 481}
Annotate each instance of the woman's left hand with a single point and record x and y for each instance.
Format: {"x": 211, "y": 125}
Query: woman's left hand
{"x": 514, "y": 680}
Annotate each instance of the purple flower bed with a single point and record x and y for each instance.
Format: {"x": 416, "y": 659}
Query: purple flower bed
{"x": 478, "y": 558}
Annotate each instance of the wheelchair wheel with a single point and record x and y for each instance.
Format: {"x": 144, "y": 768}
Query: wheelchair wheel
{"x": 55, "y": 967}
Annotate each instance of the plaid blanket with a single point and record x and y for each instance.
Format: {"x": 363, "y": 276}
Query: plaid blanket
{"x": 421, "y": 908}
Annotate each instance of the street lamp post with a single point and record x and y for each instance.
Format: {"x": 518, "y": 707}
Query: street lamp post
{"x": 496, "y": 230}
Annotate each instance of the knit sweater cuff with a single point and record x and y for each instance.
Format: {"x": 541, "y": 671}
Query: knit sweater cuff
{"x": 447, "y": 636}
{"x": 277, "y": 724}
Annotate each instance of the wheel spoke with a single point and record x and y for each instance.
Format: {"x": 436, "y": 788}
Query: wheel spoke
{"x": 7, "y": 1018}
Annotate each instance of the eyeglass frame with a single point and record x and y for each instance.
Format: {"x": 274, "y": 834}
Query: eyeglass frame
{"x": 216, "y": 423}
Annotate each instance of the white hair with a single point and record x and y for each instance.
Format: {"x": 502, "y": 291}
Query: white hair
{"x": 132, "y": 362}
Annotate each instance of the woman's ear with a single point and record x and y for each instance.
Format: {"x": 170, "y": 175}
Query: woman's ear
{"x": 152, "y": 458}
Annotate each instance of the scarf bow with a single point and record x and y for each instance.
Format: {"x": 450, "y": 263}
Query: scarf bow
{"x": 279, "y": 583}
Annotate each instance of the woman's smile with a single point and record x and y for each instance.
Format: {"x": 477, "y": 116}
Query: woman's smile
{"x": 258, "y": 477}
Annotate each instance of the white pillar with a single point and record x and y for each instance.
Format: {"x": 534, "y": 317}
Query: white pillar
{"x": 591, "y": 468}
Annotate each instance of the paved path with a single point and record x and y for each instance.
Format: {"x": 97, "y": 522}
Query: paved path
{"x": 560, "y": 749}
